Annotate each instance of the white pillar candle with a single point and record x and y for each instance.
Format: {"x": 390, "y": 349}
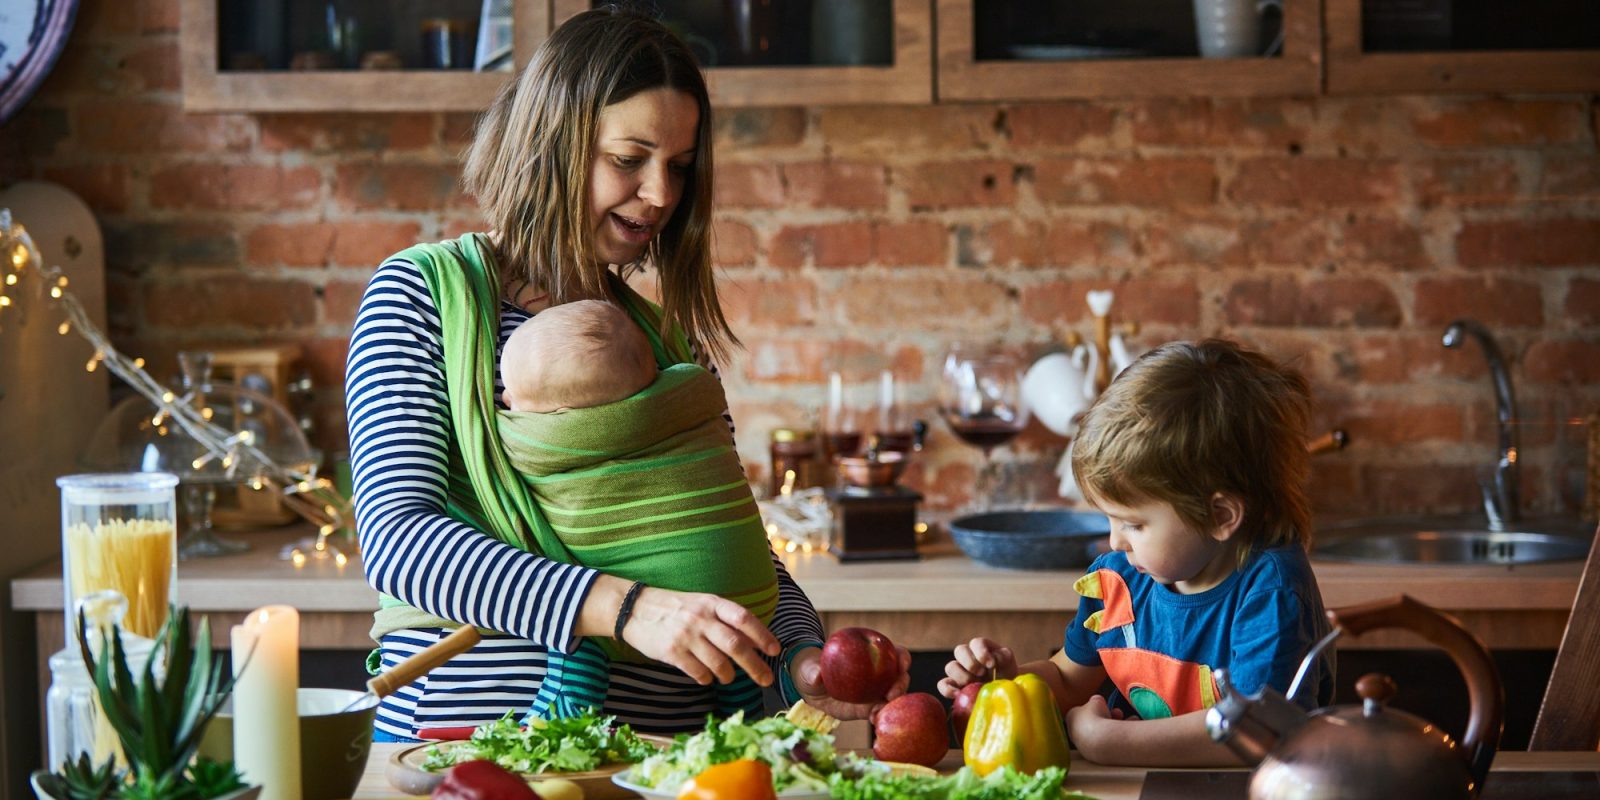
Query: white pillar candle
{"x": 266, "y": 719}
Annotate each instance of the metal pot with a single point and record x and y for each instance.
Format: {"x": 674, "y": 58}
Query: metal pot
{"x": 1367, "y": 750}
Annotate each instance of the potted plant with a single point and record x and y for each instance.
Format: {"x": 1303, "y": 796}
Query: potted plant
{"x": 158, "y": 723}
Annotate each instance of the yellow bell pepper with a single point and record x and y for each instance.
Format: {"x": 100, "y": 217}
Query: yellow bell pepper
{"x": 745, "y": 779}
{"x": 1015, "y": 723}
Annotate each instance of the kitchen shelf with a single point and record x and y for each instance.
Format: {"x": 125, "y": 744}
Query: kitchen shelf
{"x": 207, "y": 87}
{"x": 1352, "y": 69}
{"x": 907, "y": 80}
{"x": 965, "y": 77}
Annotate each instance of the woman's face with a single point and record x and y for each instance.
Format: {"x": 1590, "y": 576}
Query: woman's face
{"x": 644, "y": 152}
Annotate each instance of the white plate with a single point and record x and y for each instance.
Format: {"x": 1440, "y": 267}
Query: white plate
{"x": 621, "y": 779}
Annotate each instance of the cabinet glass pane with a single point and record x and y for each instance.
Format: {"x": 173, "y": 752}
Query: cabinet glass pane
{"x": 363, "y": 34}
{"x": 783, "y": 33}
{"x": 1055, "y": 30}
{"x": 1468, "y": 25}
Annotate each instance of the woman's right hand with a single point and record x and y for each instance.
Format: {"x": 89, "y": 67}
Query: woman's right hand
{"x": 703, "y": 635}
{"x": 978, "y": 660}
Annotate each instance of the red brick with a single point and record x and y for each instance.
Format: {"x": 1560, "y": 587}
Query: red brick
{"x": 1071, "y": 242}
{"x": 1421, "y": 488}
{"x": 400, "y": 187}
{"x": 1494, "y": 302}
{"x": 1529, "y": 242}
{"x": 1152, "y": 301}
{"x": 234, "y": 188}
{"x": 1060, "y": 124}
{"x": 1315, "y": 183}
{"x": 1004, "y": 244}
{"x": 1333, "y": 302}
{"x": 456, "y": 132}
{"x": 324, "y": 133}
{"x": 1398, "y": 357}
{"x": 1570, "y": 180}
{"x": 324, "y": 360}
{"x": 756, "y": 303}
{"x": 1399, "y": 423}
{"x": 1335, "y": 487}
{"x": 748, "y": 186}
{"x": 910, "y": 244}
{"x": 1390, "y": 243}
{"x": 340, "y": 302}
{"x": 837, "y": 185}
{"x": 100, "y": 19}
{"x": 758, "y": 127}
{"x": 1487, "y": 181}
{"x": 1562, "y": 361}
{"x": 124, "y": 128}
{"x": 962, "y": 302}
{"x": 1159, "y": 182}
{"x": 156, "y": 66}
{"x": 894, "y": 130}
{"x": 103, "y": 186}
{"x": 845, "y": 244}
{"x": 788, "y": 359}
{"x": 158, "y": 16}
{"x": 956, "y": 184}
{"x": 1219, "y": 123}
{"x": 231, "y": 302}
{"x": 1261, "y": 301}
{"x": 1502, "y": 122}
{"x": 134, "y": 246}
{"x": 947, "y": 485}
{"x": 330, "y": 244}
{"x": 1253, "y": 242}
{"x": 733, "y": 244}
{"x": 1583, "y": 301}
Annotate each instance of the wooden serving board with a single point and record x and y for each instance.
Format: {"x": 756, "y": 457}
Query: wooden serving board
{"x": 406, "y": 774}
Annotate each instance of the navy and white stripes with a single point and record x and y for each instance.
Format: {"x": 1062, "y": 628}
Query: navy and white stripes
{"x": 399, "y": 433}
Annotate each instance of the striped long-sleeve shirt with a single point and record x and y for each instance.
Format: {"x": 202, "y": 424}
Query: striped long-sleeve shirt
{"x": 399, "y": 435}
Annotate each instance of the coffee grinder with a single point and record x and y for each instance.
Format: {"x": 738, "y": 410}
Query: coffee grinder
{"x": 874, "y": 517}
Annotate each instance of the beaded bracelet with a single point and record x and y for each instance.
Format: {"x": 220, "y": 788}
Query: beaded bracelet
{"x": 626, "y": 609}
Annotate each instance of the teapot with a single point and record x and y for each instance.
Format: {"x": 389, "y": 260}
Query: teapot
{"x": 1368, "y": 750}
{"x": 1060, "y": 386}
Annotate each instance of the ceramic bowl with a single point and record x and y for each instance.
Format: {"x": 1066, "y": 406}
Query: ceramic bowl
{"x": 333, "y": 743}
{"x": 1032, "y": 539}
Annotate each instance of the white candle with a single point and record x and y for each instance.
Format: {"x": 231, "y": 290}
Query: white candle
{"x": 266, "y": 720}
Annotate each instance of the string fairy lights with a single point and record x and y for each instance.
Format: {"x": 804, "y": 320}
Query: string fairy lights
{"x": 313, "y": 498}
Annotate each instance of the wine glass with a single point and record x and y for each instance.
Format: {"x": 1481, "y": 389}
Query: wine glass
{"x": 981, "y": 400}
{"x": 841, "y": 431}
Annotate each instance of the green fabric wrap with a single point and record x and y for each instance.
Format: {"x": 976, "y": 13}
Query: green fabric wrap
{"x": 649, "y": 488}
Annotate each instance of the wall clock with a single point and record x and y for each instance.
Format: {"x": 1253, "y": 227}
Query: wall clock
{"x": 32, "y": 33}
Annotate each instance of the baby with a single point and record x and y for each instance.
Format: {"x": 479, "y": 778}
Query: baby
{"x": 634, "y": 469}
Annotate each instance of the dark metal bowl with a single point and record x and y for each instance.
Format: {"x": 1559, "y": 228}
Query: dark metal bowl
{"x": 1032, "y": 539}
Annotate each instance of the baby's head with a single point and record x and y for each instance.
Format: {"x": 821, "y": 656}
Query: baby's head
{"x": 1211, "y": 429}
{"x": 576, "y": 355}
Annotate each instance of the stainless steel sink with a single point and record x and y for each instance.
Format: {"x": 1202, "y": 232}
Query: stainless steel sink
{"x": 1452, "y": 540}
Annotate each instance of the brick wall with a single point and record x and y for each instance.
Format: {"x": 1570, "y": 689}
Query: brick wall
{"x": 1342, "y": 234}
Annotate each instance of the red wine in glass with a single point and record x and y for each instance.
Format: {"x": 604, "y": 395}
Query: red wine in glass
{"x": 984, "y": 431}
{"x": 841, "y": 443}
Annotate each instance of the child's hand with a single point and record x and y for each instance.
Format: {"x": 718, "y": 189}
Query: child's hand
{"x": 1087, "y": 724}
{"x": 976, "y": 661}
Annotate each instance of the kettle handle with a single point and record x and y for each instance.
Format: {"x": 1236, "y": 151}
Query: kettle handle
{"x": 1484, "y": 724}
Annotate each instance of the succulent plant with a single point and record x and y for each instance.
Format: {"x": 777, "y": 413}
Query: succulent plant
{"x": 82, "y": 780}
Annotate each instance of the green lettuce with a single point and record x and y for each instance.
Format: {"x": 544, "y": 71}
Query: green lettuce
{"x": 574, "y": 744}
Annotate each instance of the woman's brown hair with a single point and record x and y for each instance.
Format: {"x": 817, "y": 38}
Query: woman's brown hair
{"x": 528, "y": 165}
{"x": 1190, "y": 419}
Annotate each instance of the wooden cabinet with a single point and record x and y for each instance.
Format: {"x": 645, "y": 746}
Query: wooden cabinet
{"x": 1077, "y": 72}
{"x": 1391, "y": 46}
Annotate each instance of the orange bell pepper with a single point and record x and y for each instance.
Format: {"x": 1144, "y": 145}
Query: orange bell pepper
{"x": 1016, "y": 723}
{"x": 745, "y": 779}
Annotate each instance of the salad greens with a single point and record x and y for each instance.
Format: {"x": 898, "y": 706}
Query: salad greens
{"x": 800, "y": 758}
{"x": 574, "y": 744}
{"x": 1004, "y": 783}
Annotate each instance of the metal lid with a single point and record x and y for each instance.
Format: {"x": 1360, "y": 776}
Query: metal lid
{"x": 793, "y": 434}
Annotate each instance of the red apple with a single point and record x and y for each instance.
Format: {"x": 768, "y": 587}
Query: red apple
{"x": 961, "y": 709}
{"x": 859, "y": 665}
{"x": 911, "y": 728}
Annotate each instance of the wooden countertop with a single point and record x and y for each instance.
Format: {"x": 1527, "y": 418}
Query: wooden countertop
{"x": 943, "y": 580}
{"x": 1106, "y": 783}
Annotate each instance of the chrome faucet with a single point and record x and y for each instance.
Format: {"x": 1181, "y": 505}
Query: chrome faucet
{"x": 1500, "y": 493}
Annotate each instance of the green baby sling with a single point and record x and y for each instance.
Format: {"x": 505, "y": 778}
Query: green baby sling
{"x": 549, "y": 484}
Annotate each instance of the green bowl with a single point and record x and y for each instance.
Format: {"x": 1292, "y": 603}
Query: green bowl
{"x": 333, "y": 743}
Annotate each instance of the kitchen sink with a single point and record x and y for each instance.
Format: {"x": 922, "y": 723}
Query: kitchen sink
{"x": 1452, "y": 540}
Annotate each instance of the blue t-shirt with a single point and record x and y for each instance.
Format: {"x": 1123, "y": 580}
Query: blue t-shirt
{"x": 1162, "y": 648}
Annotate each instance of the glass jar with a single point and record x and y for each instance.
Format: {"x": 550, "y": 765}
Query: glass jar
{"x": 73, "y": 720}
{"x": 793, "y": 450}
{"x": 118, "y": 533}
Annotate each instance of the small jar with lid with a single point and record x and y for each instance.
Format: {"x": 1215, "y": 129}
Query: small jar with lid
{"x": 793, "y": 450}
{"x": 74, "y": 723}
{"x": 119, "y": 533}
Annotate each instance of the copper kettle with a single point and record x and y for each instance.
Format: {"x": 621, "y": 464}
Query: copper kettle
{"x": 1367, "y": 750}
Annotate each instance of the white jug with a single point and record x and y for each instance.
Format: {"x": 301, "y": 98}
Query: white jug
{"x": 1060, "y": 386}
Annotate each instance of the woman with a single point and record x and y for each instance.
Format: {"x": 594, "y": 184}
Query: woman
{"x": 599, "y": 154}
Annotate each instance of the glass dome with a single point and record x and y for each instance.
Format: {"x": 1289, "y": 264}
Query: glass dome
{"x": 137, "y": 437}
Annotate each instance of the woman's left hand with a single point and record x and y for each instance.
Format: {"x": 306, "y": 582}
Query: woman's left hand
{"x": 806, "y": 671}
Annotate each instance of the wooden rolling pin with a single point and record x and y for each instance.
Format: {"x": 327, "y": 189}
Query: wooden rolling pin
{"x": 1329, "y": 442}
{"x": 420, "y": 664}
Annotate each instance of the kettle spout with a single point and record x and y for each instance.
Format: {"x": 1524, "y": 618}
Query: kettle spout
{"x": 1252, "y": 726}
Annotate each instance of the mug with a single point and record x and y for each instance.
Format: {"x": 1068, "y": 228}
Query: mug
{"x": 1232, "y": 28}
